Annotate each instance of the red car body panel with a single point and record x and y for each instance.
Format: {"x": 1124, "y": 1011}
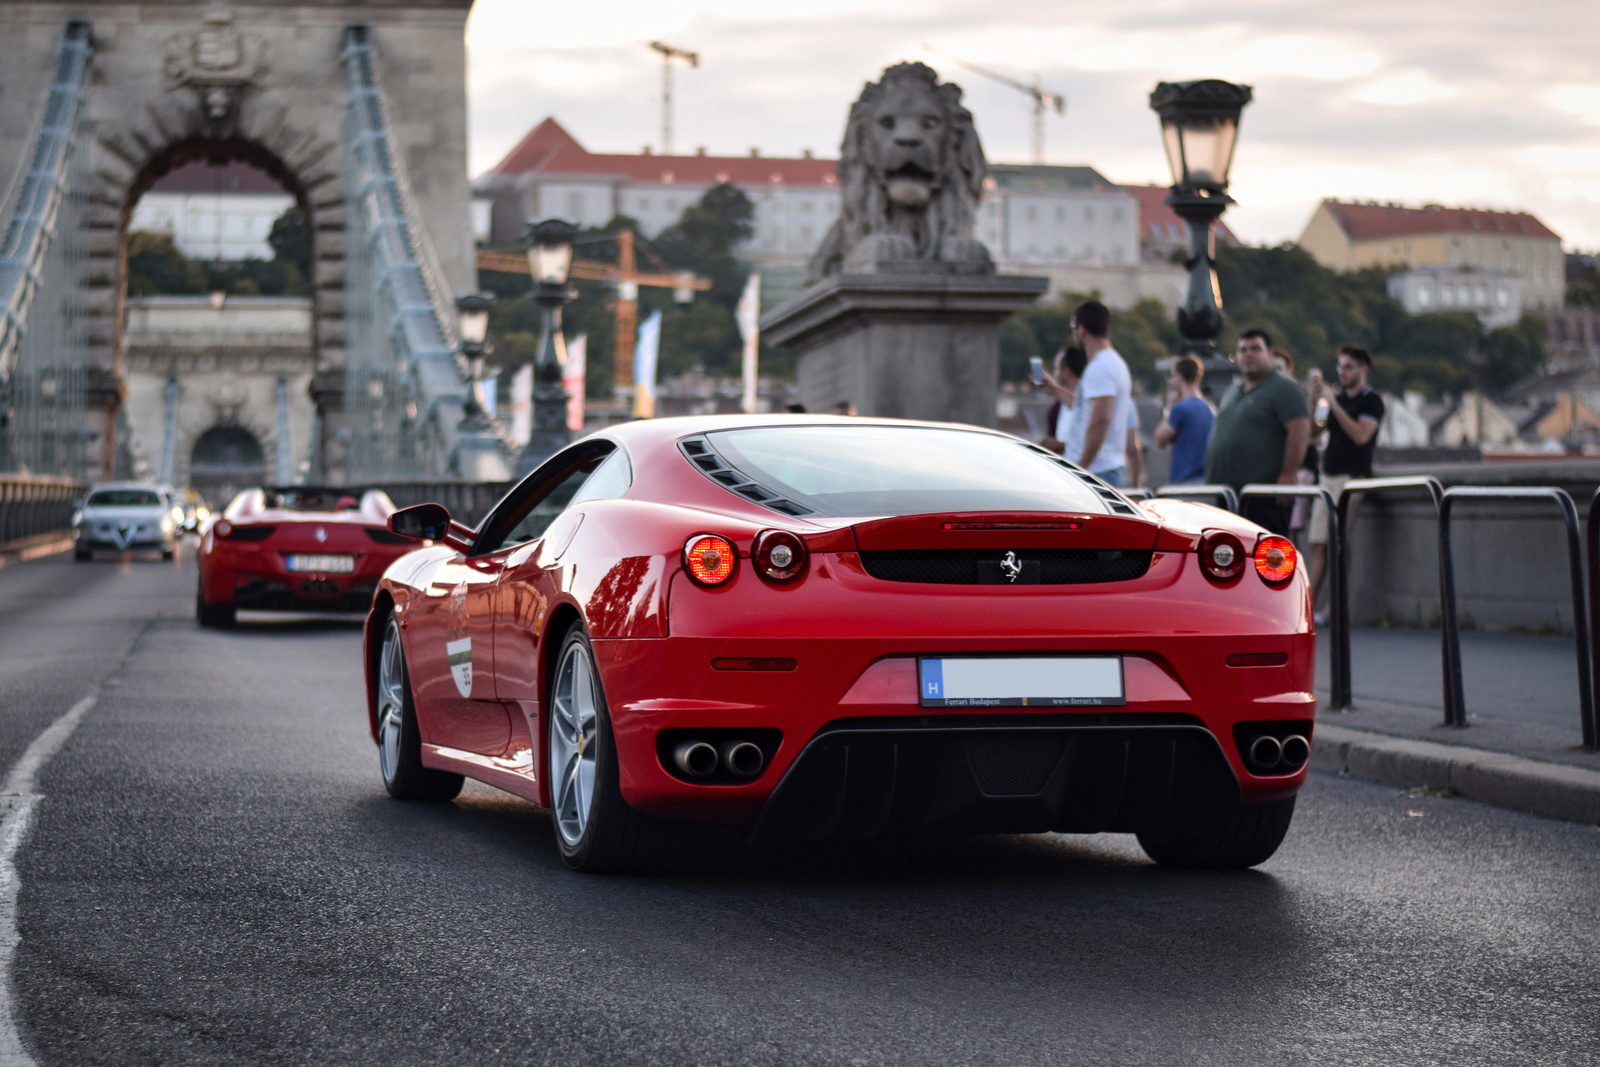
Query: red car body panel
{"x": 615, "y": 566}
{"x": 252, "y": 572}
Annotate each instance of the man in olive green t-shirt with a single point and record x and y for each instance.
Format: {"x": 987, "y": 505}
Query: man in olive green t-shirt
{"x": 1260, "y": 433}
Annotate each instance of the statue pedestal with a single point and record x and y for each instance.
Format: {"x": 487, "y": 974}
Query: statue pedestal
{"x": 922, "y": 345}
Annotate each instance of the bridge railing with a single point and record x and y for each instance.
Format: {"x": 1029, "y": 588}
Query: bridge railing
{"x": 35, "y": 510}
{"x": 43, "y": 377}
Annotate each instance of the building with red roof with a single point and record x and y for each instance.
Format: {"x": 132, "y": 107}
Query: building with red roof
{"x": 1348, "y": 235}
{"x": 1070, "y": 223}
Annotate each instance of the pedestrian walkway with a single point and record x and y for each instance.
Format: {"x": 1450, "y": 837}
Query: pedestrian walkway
{"x": 1521, "y": 691}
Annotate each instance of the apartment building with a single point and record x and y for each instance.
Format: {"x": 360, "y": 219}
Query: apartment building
{"x": 1347, "y": 235}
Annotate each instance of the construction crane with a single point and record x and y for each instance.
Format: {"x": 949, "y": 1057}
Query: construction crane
{"x": 1042, "y": 101}
{"x": 668, "y": 54}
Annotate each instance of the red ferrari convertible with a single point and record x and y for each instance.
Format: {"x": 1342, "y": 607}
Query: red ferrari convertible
{"x": 825, "y": 627}
{"x": 295, "y": 548}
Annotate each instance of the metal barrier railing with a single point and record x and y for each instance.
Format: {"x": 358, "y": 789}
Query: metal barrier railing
{"x": 467, "y": 502}
{"x": 34, "y": 509}
{"x": 1591, "y": 725}
{"x": 1225, "y": 493}
{"x": 1338, "y": 658}
{"x": 1455, "y": 711}
{"x": 1137, "y": 494}
{"x": 1339, "y": 681}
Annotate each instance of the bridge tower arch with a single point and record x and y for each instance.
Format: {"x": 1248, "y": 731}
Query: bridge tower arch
{"x": 262, "y": 83}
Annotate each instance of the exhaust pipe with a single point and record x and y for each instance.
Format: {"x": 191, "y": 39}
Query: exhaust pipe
{"x": 695, "y": 758}
{"x": 1265, "y": 752}
{"x": 742, "y": 758}
{"x": 1296, "y": 750}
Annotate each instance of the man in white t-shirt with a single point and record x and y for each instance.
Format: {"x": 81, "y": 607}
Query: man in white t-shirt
{"x": 1103, "y": 403}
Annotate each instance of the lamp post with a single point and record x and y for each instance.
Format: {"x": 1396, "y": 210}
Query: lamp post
{"x": 472, "y": 319}
{"x": 1199, "y": 127}
{"x": 549, "y": 260}
{"x": 478, "y": 452}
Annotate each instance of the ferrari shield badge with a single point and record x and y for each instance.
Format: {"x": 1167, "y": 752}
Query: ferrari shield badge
{"x": 458, "y": 640}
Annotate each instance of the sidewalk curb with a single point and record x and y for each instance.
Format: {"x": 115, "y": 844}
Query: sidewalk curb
{"x": 1552, "y": 789}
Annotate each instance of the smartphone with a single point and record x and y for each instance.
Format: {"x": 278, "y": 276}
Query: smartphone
{"x": 1036, "y": 369}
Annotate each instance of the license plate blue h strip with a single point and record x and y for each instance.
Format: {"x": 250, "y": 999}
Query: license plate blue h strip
{"x": 932, "y": 680}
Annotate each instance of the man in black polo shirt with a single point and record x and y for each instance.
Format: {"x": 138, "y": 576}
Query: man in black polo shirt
{"x": 1354, "y": 415}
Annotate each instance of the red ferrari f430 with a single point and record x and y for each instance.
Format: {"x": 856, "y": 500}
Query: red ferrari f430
{"x": 820, "y": 627}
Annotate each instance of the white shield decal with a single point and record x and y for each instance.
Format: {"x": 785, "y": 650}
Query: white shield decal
{"x": 458, "y": 640}
{"x": 460, "y": 653}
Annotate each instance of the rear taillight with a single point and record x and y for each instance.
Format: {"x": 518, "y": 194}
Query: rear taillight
{"x": 1275, "y": 559}
{"x": 778, "y": 554}
{"x": 223, "y": 528}
{"x": 709, "y": 559}
{"x": 1222, "y": 556}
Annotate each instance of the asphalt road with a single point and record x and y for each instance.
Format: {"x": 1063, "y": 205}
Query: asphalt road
{"x": 215, "y": 876}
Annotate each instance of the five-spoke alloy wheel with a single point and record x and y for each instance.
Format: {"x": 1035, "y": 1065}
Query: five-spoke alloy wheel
{"x": 399, "y": 739}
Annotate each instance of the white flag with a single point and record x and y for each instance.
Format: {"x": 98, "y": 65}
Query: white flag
{"x": 644, "y": 367}
{"x": 573, "y": 380}
{"x": 749, "y": 316}
{"x": 522, "y": 404}
{"x": 489, "y": 394}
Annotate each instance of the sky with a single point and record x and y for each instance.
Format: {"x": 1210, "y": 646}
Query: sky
{"x": 1478, "y": 103}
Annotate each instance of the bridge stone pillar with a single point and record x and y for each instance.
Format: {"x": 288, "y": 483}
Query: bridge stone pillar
{"x": 260, "y": 82}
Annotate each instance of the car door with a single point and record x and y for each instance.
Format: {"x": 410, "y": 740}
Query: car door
{"x": 529, "y": 578}
{"x": 451, "y": 646}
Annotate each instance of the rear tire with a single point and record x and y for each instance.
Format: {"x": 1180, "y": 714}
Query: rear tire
{"x": 595, "y": 829}
{"x": 1244, "y": 837}
{"x": 82, "y": 555}
{"x": 212, "y": 616}
{"x": 167, "y": 553}
{"x": 399, "y": 737}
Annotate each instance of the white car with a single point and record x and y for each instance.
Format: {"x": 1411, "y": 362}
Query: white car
{"x": 125, "y": 517}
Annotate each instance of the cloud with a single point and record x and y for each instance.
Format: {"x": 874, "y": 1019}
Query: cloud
{"x": 1402, "y": 90}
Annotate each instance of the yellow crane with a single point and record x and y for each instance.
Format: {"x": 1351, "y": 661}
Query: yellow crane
{"x": 668, "y": 54}
{"x": 1042, "y": 100}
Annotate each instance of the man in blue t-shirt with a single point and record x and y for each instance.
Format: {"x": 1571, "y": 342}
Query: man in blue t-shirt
{"x": 1187, "y": 428}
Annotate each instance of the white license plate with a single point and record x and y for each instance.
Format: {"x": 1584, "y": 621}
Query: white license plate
{"x": 323, "y": 564}
{"x": 1020, "y": 681}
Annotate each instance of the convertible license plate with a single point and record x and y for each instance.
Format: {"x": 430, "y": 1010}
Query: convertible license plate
{"x": 1020, "y": 681}
{"x": 323, "y": 564}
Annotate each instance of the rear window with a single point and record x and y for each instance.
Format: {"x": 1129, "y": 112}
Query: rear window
{"x": 124, "y": 498}
{"x": 861, "y": 471}
{"x": 309, "y": 499}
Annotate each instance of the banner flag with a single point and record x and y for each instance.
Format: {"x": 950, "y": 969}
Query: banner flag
{"x": 573, "y": 379}
{"x": 749, "y": 316}
{"x": 644, "y": 367}
{"x": 489, "y": 394}
{"x": 522, "y": 404}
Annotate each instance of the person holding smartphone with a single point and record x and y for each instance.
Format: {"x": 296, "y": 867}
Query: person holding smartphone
{"x": 1063, "y": 385}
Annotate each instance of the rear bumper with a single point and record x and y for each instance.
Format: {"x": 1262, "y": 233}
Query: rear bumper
{"x": 306, "y": 594}
{"x": 1001, "y": 774}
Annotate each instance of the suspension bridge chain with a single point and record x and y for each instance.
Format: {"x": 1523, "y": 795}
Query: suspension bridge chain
{"x": 43, "y": 329}
{"x": 405, "y": 384}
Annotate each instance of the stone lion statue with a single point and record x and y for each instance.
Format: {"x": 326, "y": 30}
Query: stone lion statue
{"x": 911, "y": 171}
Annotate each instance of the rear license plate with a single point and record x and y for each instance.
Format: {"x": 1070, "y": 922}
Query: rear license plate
{"x": 1020, "y": 681}
{"x": 322, "y": 564}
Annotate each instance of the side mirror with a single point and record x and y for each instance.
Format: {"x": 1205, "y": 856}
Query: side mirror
{"x": 423, "y": 522}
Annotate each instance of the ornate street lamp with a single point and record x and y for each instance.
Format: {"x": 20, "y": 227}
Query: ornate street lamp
{"x": 1199, "y": 126}
{"x": 549, "y": 259}
{"x": 472, "y": 320}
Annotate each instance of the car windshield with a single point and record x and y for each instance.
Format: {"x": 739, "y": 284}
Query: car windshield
{"x": 307, "y": 499}
{"x": 124, "y": 498}
{"x": 872, "y": 470}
